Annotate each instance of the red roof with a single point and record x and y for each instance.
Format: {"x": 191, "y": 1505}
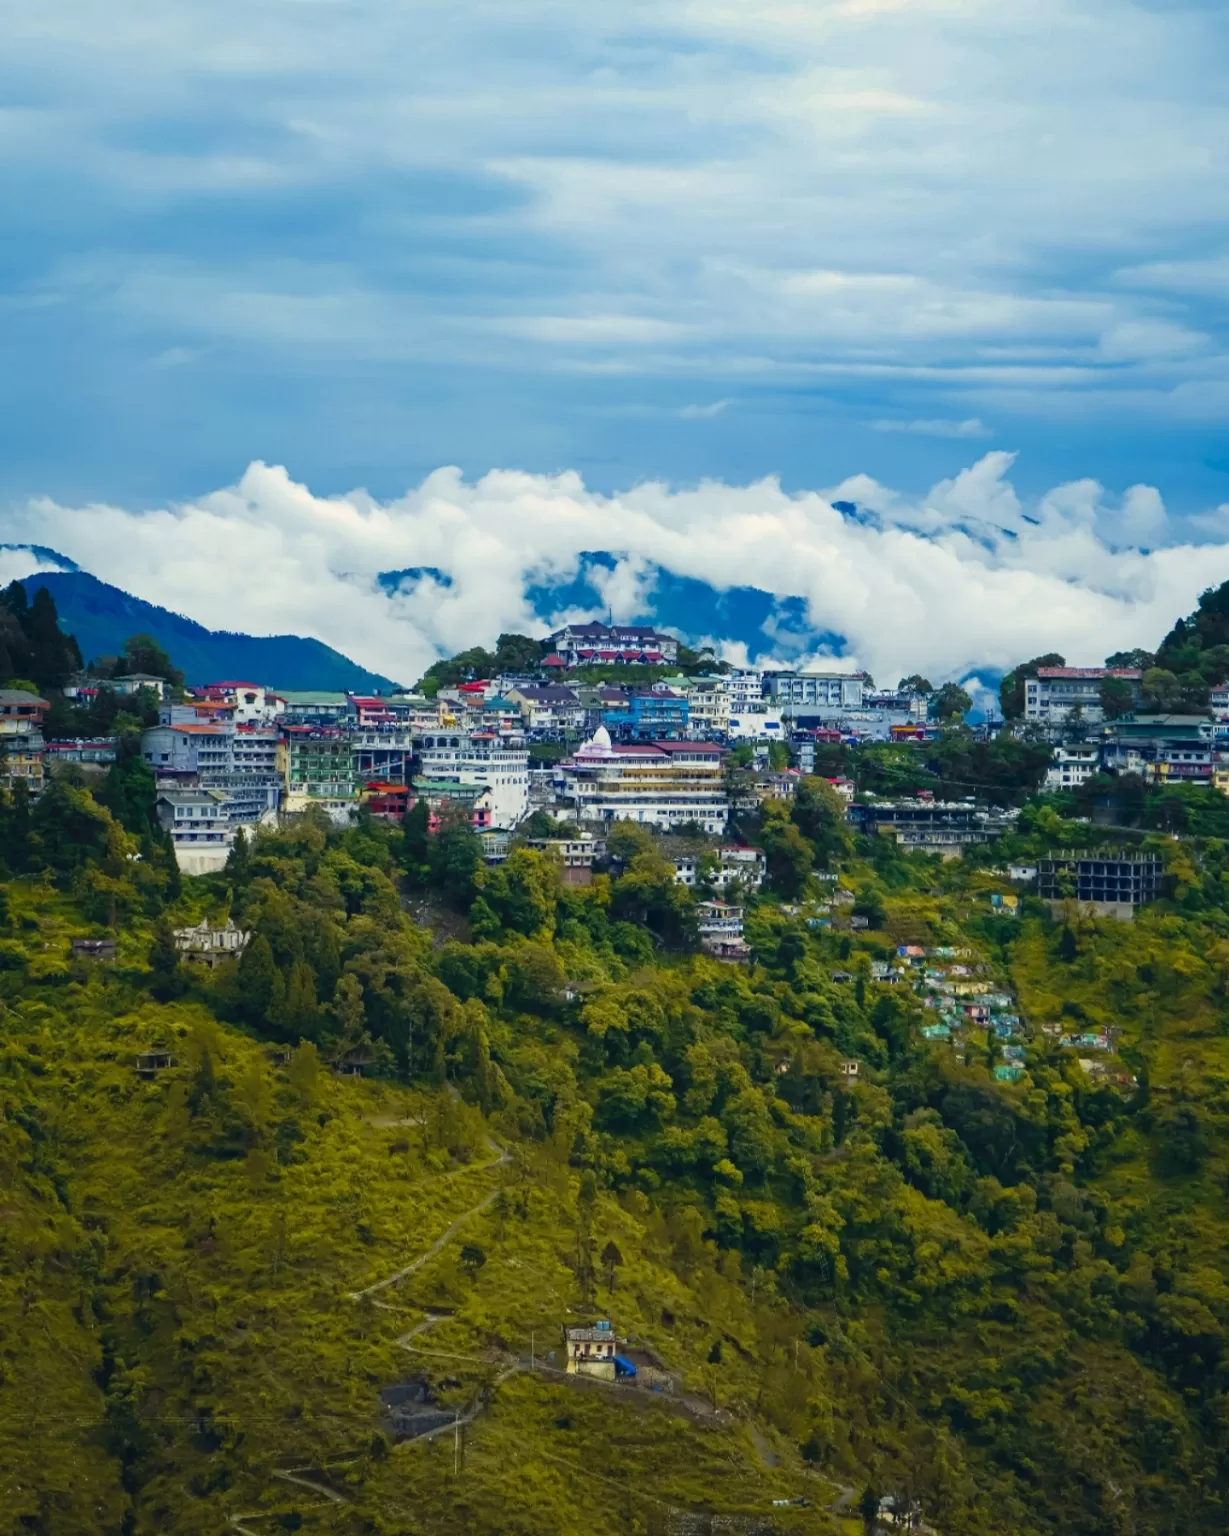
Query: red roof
{"x": 1090, "y": 672}
{"x": 475, "y": 687}
{"x": 554, "y": 661}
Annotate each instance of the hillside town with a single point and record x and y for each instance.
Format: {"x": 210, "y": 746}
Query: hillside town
{"x": 678, "y": 752}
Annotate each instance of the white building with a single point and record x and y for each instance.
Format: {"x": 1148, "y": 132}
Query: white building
{"x": 1071, "y": 766}
{"x": 202, "y": 833}
{"x": 579, "y": 644}
{"x": 746, "y": 688}
{"x": 133, "y": 682}
{"x": 208, "y": 946}
{"x": 815, "y": 692}
{"x": 661, "y": 783}
{"x": 251, "y": 702}
{"x": 761, "y": 723}
{"x": 735, "y": 866}
{"x": 1057, "y": 692}
{"x": 481, "y": 758}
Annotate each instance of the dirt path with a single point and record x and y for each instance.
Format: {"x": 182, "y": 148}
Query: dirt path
{"x": 306, "y": 1482}
{"x": 294, "y": 1475}
{"x": 502, "y": 1156}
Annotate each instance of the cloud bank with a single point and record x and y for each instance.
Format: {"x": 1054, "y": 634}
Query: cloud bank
{"x": 963, "y": 577}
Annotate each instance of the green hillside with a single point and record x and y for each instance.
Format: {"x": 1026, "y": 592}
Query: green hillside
{"x": 1004, "y": 1299}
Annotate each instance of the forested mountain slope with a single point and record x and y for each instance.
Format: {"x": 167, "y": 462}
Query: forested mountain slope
{"x": 1001, "y": 1294}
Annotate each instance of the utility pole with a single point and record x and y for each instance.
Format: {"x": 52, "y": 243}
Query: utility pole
{"x": 456, "y": 1444}
{"x": 531, "y": 1349}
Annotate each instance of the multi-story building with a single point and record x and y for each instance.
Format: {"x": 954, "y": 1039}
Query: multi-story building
{"x": 651, "y": 714}
{"x": 22, "y": 757}
{"x": 382, "y": 753}
{"x": 250, "y": 702}
{"x": 316, "y": 765}
{"x": 1161, "y": 747}
{"x": 814, "y": 693}
{"x": 475, "y": 800}
{"x": 938, "y": 826}
{"x": 314, "y": 707}
{"x": 21, "y": 712}
{"x": 1057, "y": 694}
{"x": 720, "y": 927}
{"x": 241, "y": 760}
{"x": 552, "y": 710}
{"x": 667, "y": 784}
{"x": 98, "y": 751}
{"x": 806, "y": 745}
{"x": 199, "y": 823}
{"x": 481, "y": 758}
{"x": 578, "y": 645}
{"x": 502, "y": 716}
{"x": 746, "y": 688}
{"x": 708, "y": 708}
{"x": 576, "y": 854}
{"x": 729, "y": 866}
{"x": 1102, "y": 876}
{"x": 1072, "y": 766}
{"x": 187, "y": 748}
{"x": 763, "y": 723}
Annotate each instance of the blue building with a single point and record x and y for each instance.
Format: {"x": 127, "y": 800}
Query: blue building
{"x": 649, "y": 715}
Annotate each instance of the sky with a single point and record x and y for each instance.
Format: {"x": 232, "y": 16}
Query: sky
{"x": 682, "y": 253}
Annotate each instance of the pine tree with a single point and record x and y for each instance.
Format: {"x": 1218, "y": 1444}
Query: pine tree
{"x": 164, "y": 961}
{"x": 416, "y": 841}
{"x": 239, "y": 859}
{"x": 55, "y": 656}
{"x": 257, "y": 974}
{"x": 298, "y": 1016}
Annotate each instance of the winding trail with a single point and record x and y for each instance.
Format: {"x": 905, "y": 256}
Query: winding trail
{"x": 501, "y": 1156}
{"x": 294, "y": 1475}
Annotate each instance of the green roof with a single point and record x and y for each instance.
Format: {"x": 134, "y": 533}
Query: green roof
{"x": 450, "y": 788}
{"x": 294, "y": 696}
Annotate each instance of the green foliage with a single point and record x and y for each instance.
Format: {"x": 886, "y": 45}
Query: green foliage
{"x": 1011, "y": 689}
{"x": 951, "y": 703}
{"x": 1007, "y": 1300}
{"x": 790, "y": 857}
{"x": 142, "y": 653}
{"x": 32, "y": 644}
{"x": 1117, "y": 697}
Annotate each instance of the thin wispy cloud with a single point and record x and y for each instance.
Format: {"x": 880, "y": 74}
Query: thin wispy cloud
{"x": 705, "y": 412}
{"x": 934, "y": 427}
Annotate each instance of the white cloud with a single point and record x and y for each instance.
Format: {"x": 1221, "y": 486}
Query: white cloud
{"x": 953, "y": 581}
{"x": 705, "y": 412}
{"x": 933, "y": 427}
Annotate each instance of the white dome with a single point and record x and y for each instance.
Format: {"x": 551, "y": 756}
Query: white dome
{"x": 601, "y": 738}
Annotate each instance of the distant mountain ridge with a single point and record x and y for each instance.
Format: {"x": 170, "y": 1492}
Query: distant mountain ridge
{"x": 767, "y": 624}
{"x": 102, "y": 617}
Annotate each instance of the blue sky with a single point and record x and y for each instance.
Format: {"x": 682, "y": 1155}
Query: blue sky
{"x": 672, "y": 240}
{"x": 663, "y": 279}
